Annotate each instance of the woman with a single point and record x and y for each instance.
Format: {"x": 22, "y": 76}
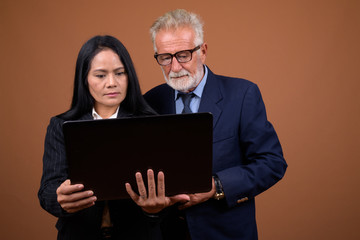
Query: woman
{"x": 105, "y": 86}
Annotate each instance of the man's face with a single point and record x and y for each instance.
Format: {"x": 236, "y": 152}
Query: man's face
{"x": 183, "y": 77}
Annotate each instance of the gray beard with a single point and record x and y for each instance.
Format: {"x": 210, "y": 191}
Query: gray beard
{"x": 187, "y": 82}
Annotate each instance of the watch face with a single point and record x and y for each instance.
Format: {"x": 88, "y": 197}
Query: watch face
{"x": 219, "y": 196}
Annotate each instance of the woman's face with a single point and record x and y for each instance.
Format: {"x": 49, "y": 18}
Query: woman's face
{"x": 107, "y": 81}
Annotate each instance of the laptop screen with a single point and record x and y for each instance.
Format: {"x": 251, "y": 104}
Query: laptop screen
{"x": 105, "y": 154}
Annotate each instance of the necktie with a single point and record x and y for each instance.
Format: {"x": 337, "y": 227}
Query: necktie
{"x": 186, "y": 98}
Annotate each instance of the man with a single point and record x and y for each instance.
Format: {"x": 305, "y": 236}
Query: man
{"x": 247, "y": 155}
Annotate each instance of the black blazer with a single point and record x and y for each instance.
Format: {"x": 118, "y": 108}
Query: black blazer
{"x": 128, "y": 219}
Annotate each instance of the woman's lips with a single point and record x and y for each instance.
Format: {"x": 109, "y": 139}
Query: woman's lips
{"x": 112, "y": 94}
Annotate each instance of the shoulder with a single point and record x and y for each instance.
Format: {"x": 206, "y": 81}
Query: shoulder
{"x": 56, "y": 122}
{"x": 54, "y": 133}
{"x": 231, "y": 85}
{"x": 227, "y": 81}
{"x": 162, "y": 89}
{"x": 159, "y": 93}
{"x": 160, "y": 98}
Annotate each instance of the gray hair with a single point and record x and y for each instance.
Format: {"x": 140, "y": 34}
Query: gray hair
{"x": 178, "y": 18}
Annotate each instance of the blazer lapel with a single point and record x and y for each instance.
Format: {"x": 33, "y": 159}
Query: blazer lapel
{"x": 211, "y": 98}
{"x": 123, "y": 113}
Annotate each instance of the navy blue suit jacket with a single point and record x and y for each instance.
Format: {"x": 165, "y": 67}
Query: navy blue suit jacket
{"x": 247, "y": 155}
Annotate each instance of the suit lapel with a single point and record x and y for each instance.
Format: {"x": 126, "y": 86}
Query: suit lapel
{"x": 211, "y": 98}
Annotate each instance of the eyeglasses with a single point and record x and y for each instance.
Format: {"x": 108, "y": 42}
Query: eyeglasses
{"x": 183, "y": 56}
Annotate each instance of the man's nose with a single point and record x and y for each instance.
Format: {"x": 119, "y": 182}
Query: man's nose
{"x": 175, "y": 65}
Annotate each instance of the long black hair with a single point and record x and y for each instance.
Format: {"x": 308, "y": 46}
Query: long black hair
{"x": 82, "y": 101}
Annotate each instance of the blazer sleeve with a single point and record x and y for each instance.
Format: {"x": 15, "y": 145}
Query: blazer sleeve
{"x": 54, "y": 168}
{"x": 261, "y": 162}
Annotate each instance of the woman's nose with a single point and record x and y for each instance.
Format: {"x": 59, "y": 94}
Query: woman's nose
{"x": 111, "y": 81}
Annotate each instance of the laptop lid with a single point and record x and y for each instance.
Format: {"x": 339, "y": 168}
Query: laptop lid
{"x": 105, "y": 154}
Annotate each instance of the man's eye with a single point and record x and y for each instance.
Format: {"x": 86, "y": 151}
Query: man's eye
{"x": 182, "y": 55}
{"x": 166, "y": 57}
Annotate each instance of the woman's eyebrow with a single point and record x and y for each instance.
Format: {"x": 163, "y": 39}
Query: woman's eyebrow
{"x": 100, "y": 70}
{"x": 120, "y": 68}
{"x": 104, "y": 70}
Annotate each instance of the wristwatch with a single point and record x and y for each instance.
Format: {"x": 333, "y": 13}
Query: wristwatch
{"x": 219, "y": 194}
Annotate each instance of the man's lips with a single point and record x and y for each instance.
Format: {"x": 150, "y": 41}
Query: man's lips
{"x": 177, "y": 77}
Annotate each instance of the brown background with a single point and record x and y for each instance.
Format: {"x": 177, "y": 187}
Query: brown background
{"x": 304, "y": 55}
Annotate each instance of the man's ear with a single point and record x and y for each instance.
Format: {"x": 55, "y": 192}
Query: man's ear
{"x": 203, "y": 53}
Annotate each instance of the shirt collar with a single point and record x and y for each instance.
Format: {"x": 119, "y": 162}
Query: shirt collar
{"x": 97, "y": 116}
{"x": 200, "y": 88}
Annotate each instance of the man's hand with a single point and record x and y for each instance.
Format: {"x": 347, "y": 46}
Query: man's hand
{"x": 150, "y": 200}
{"x": 72, "y": 199}
{"x": 197, "y": 198}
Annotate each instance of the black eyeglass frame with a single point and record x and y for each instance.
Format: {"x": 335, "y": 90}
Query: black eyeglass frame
{"x": 156, "y": 55}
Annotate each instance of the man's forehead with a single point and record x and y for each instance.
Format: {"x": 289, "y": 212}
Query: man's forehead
{"x": 175, "y": 39}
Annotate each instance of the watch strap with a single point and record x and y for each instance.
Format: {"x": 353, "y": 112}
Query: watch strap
{"x": 219, "y": 194}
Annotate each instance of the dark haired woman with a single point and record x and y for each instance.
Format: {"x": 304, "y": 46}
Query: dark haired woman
{"x": 105, "y": 86}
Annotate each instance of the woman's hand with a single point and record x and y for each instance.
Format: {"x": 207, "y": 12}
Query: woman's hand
{"x": 153, "y": 200}
{"x": 72, "y": 199}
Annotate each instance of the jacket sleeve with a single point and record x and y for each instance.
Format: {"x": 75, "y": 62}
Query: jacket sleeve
{"x": 54, "y": 168}
{"x": 262, "y": 163}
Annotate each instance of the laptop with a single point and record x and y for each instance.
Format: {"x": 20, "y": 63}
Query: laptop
{"x": 105, "y": 154}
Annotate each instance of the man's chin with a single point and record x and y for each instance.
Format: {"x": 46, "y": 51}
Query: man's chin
{"x": 183, "y": 80}
{"x": 180, "y": 87}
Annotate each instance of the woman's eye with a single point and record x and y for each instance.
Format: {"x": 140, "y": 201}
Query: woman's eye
{"x": 100, "y": 75}
{"x": 120, "y": 73}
